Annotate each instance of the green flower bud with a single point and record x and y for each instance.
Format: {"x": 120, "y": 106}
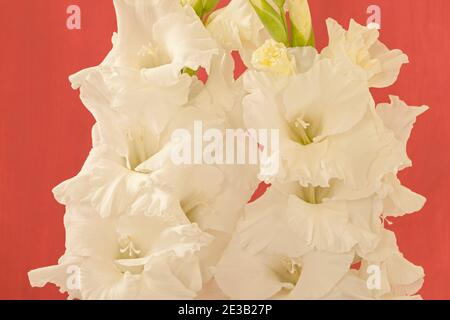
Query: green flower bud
{"x": 209, "y": 5}
{"x": 272, "y": 20}
{"x": 201, "y": 7}
{"x": 301, "y": 21}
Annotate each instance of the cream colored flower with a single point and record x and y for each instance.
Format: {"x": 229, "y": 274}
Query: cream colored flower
{"x": 130, "y": 170}
{"x": 140, "y": 226}
{"x": 328, "y": 126}
{"x": 127, "y": 257}
{"x": 143, "y": 75}
{"x": 394, "y": 277}
{"x": 293, "y": 220}
{"x": 158, "y": 38}
{"x": 360, "y": 46}
{"x": 242, "y": 275}
{"x": 125, "y": 162}
{"x": 237, "y": 27}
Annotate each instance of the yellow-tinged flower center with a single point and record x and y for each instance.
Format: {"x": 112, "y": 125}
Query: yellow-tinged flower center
{"x": 127, "y": 248}
{"x": 301, "y": 131}
{"x": 291, "y": 271}
{"x": 149, "y": 55}
{"x": 312, "y": 194}
{"x": 130, "y": 259}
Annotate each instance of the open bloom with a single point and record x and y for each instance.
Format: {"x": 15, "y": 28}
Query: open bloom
{"x": 238, "y": 28}
{"x": 297, "y": 247}
{"x": 393, "y": 276}
{"x": 294, "y": 220}
{"x": 126, "y": 257}
{"x": 126, "y": 158}
{"x": 158, "y": 38}
{"x": 141, "y": 226}
{"x": 130, "y": 170}
{"x": 328, "y": 126}
{"x": 360, "y": 46}
{"x": 242, "y": 275}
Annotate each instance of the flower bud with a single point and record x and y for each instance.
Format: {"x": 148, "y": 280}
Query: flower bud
{"x": 201, "y": 7}
{"x": 274, "y": 57}
{"x": 272, "y": 20}
{"x": 302, "y": 30}
{"x": 209, "y": 5}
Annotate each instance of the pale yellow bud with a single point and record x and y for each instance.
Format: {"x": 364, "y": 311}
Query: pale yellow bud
{"x": 274, "y": 57}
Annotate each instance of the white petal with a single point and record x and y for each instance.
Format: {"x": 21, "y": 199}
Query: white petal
{"x": 360, "y": 47}
{"x": 330, "y": 101}
{"x": 161, "y": 35}
{"x": 321, "y": 271}
{"x": 265, "y": 227}
{"x": 374, "y": 153}
{"x": 241, "y": 275}
{"x": 324, "y": 226}
{"x": 237, "y": 27}
{"x": 400, "y": 200}
{"x": 391, "y": 61}
{"x": 399, "y": 117}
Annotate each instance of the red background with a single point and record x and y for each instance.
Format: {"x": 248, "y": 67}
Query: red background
{"x": 45, "y": 130}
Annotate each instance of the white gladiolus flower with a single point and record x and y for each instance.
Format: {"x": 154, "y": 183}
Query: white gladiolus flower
{"x": 399, "y": 276}
{"x": 360, "y": 46}
{"x": 126, "y": 156}
{"x": 276, "y": 264}
{"x": 324, "y": 115}
{"x": 140, "y": 225}
{"x": 129, "y": 170}
{"x": 127, "y": 257}
{"x": 242, "y": 275}
{"x": 159, "y": 38}
{"x": 293, "y": 220}
{"x": 237, "y": 27}
{"x": 125, "y": 174}
{"x": 395, "y": 278}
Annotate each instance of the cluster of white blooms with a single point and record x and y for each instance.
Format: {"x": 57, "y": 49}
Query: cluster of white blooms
{"x": 139, "y": 226}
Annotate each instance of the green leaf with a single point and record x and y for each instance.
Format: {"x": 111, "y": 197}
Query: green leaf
{"x": 272, "y": 20}
{"x": 209, "y": 5}
{"x": 299, "y": 40}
